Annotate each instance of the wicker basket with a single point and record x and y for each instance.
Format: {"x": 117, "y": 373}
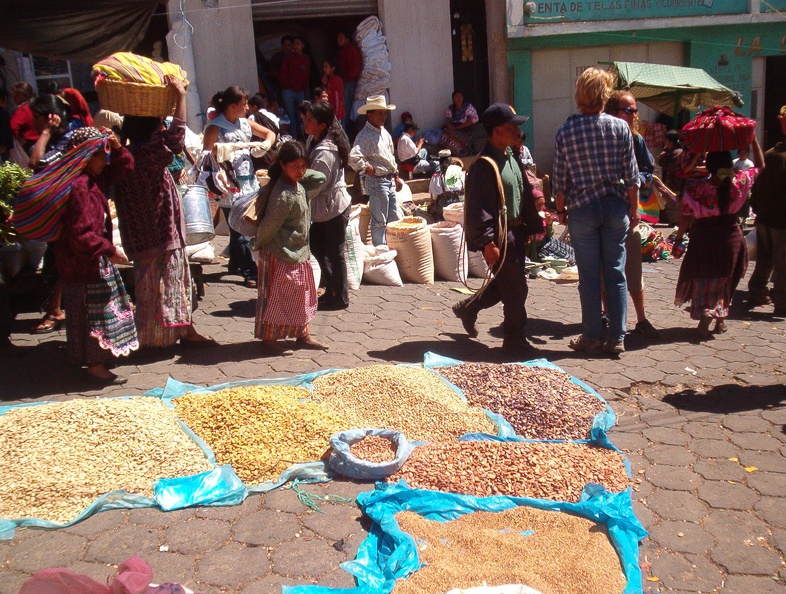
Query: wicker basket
{"x": 136, "y": 99}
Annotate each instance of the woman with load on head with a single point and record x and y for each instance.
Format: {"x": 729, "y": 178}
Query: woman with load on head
{"x": 287, "y": 297}
{"x": 717, "y": 257}
{"x": 100, "y": 322}
{"x": 152, "y": 228}
{"x": 234, "y": 132}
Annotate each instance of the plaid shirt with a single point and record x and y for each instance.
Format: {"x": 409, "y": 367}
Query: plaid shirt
{"x": 373, "y": 146}
{"x": 594, "y": 158}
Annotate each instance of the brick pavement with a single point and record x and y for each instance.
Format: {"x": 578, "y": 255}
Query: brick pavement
{"x": 694, "y": 418}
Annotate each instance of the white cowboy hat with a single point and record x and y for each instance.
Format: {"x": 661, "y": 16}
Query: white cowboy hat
{"x": 375, "y": 102}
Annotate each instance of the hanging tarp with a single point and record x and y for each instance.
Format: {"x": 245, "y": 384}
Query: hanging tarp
{"x": 668, "y": 89}
{"x": 273, "y": 10}
{"x": 86, "y": 30}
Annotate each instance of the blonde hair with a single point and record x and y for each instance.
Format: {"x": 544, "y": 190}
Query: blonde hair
{"x": 593, "y": 89}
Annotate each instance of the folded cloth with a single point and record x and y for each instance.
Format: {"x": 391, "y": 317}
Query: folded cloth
{"x": 128, "y": 67}
{"x": 133, "y": 577}
{"x": 225, "y": 150}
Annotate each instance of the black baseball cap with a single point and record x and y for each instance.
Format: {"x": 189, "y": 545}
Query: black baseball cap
{"x": 500, "y": 114}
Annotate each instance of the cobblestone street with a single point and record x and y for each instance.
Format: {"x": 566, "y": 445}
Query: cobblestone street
{"x": 704, "y": 426}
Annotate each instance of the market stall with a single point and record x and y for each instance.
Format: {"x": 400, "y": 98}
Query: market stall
{"x": 438, "y": 435}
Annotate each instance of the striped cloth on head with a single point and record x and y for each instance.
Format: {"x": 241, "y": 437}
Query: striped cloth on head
{"x": 128, "y": 67}
{"x": 38, "y": 207}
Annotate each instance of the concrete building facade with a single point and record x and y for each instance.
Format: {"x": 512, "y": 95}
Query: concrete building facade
{"x": 741, "y": 43}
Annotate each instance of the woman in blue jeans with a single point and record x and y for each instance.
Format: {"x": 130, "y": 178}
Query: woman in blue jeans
{"x": 596, "y": 187}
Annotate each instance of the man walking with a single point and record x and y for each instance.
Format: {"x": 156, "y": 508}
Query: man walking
{"x": 495, "y": 172}
{"x": 374, "y": 157}
{"x": 769, "y": 203}
{"x": 597, "y": 195}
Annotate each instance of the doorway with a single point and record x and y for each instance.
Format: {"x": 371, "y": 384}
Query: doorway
{"x": 774, "y": 98}
{"x": 470, "y": 51}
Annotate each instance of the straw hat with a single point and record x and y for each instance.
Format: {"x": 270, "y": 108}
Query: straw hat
{"x": 375, "y": 102}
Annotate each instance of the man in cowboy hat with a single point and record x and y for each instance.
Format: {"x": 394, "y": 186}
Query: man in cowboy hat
{"x": 374, "y": 157}
{"x": 497, "y": 169}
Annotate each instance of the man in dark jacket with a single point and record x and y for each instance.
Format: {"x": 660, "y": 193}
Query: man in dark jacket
{"x": 484, "y": 209}
{"x": 769, "y": 203}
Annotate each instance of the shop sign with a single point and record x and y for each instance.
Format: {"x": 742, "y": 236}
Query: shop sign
{"x": 522, "y": 12}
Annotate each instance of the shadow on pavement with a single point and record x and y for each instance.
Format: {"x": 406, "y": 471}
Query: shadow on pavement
{"x": 728, "y": 398}
{"x": 465, "y": 349}
{"x": 224, "y": 353}
{"x": 245, "y": 308}
{"x": 59, "y": 379}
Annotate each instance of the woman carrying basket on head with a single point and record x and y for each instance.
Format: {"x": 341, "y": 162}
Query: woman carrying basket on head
{"x": 152, "y": 228}
{"x": 717, "y": 258}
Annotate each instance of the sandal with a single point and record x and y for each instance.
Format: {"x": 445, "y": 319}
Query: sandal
{"x": 308, "y": 342}
{"x": 759, "y": 301}
{"x": 49, "y": 323}
{"x": 704, "y": 327}
{"x": 720, "y": 327}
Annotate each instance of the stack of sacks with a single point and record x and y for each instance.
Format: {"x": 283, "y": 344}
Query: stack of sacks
{"x": 374, "y": 79}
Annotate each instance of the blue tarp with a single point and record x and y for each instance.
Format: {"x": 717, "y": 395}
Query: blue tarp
{"x": 219, "y": 486}
{"x": 389, "y": 554}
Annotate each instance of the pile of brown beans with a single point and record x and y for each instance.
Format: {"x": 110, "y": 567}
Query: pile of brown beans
{"x": 556, "y": 471}
{"x": 374, "y": 449}
{"x": 552, "y": 552}
{"x": 411, "y": 400}
{"x": 538, "y": 402}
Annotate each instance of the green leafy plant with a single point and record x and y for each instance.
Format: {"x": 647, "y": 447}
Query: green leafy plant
{"x": 12, "y": 176}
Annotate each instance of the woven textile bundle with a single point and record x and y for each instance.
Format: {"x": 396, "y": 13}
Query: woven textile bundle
{"x": 718, "y": 129}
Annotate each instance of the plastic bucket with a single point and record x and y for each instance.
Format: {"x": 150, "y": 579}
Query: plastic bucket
{"x": 199, "y": 219}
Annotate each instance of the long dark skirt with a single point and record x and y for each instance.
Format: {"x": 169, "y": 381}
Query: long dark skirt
{"x": 715, "y": 262}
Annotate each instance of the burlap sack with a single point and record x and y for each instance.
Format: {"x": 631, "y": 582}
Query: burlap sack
{"x": 476, "y": 265}
{"x": 411, "y": 239}
{"x": 450, "y": 254}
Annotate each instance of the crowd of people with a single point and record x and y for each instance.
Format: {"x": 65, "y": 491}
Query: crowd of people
{"x": 602, "y": 169}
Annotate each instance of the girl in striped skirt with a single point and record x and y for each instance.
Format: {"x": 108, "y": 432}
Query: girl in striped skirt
{"x": 287, "y": 297}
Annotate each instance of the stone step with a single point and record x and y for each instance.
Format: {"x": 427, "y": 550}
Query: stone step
{"x": 418, "y": 185}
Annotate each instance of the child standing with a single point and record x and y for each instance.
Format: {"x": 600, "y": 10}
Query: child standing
{"x": 287, "y": 296}
{"x": 294, "y": 78}
{"x": 335, "y": 90}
